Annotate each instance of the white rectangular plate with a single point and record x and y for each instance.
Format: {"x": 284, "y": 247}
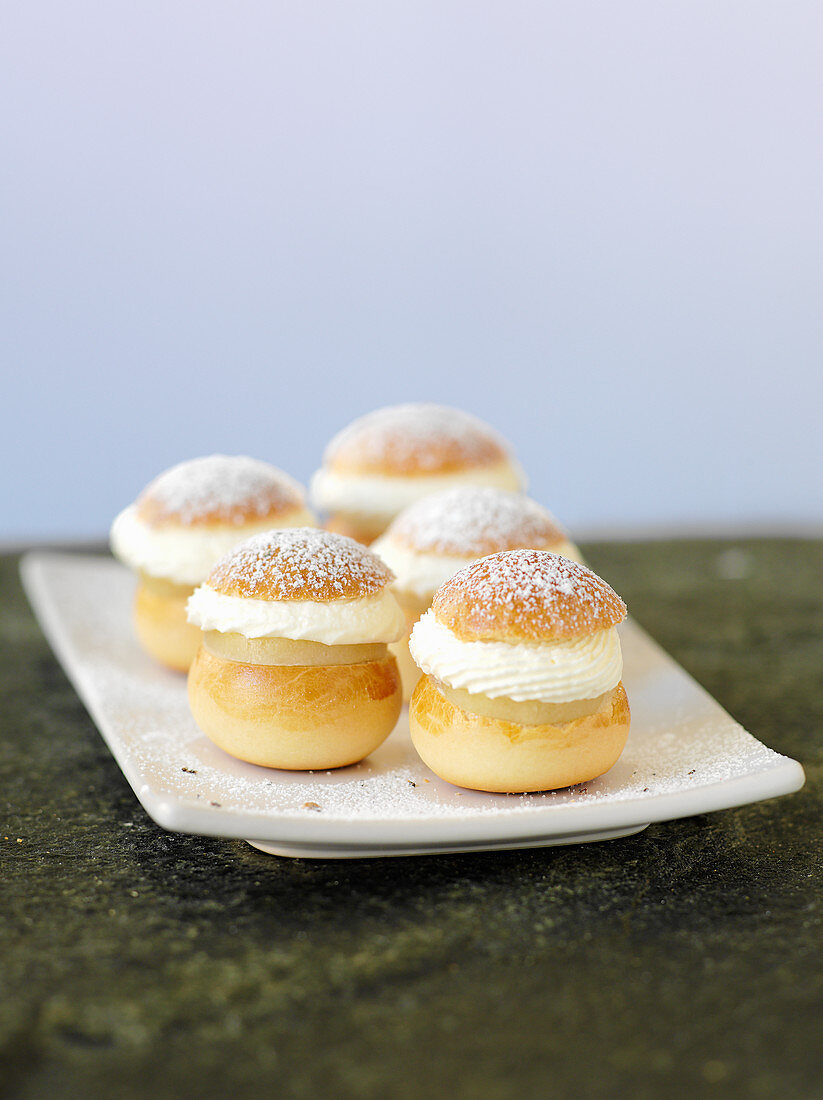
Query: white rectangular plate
{"x": 685, "y": 755}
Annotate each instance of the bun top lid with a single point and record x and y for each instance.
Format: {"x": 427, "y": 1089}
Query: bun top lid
{"x": 526, "y": 596}
{"x": 415, "y": 439}
{"x": 472, "y": 521}
{"x": 300, "y": 563}
{"x": 219, "y": 489}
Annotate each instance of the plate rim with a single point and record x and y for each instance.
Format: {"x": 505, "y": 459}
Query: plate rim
{"x": 783, "y": 775}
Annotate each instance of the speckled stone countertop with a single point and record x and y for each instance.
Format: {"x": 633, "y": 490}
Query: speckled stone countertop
{"x": 684, "y": 961}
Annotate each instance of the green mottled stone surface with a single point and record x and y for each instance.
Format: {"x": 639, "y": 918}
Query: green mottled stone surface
{"x": 684, "y": 961}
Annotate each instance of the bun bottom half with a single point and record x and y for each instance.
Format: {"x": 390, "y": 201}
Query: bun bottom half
{"x": 297, "y": 717}
{"x": 162, "y": 627}
{"x": 490, "y": 754}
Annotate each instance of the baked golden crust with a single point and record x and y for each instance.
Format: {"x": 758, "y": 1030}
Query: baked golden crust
{"x": 300, "y": 563}
{"x": 526, "y": 596}
{"x": 414, "y": 439}
{"x": 221, "y": 490}
{"x": 161, "y": 624}
{"x": 470, "y": 521}
{"x": 277, "y": 515}
{"x": 489, "y": 754}
{"x": 295, "y": 717}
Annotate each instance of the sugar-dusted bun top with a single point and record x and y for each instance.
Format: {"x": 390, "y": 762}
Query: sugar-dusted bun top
{"x": 471, "y": 521}
{"x": 219, "y": 489}
{"x": 415, "y": 439}
{"x": 526, "y": 596}
{"x": 300, "y": 563}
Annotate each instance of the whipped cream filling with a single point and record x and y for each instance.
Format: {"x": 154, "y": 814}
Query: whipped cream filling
{"x": 421, "y": 572}
{"x": 381, "y": 497}
{"x": 367, "y": 620}
{"x": 547, "y": 672}
{"x": 185, "y": 555}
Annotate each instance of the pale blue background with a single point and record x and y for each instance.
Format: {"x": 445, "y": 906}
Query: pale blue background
{"x": 235, "y": 226}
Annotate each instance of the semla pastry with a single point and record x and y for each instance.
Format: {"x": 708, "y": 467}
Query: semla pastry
{"x": 434, "y": 538}
{"x": 522, "y": 688}
{"x": 181, "y": 524}
{"x": 393, "y": 456}
{"x": 294, "y": 669}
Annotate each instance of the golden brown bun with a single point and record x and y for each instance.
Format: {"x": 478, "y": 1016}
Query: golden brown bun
{"x": 526, "y": 596}
{"x": 300, "y": 563}
{"x": 161, "y": 624}
{"x": 221, "y": 490}
{"x": 239, "y": 517}
{"x": 295, "y": 717}
{"x": 470, "y": 521}
{"x": 488, "y": 754}
{"x": 414, "y": 439}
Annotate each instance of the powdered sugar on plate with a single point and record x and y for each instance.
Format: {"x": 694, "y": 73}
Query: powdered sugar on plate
{"x": 684, "y": 755}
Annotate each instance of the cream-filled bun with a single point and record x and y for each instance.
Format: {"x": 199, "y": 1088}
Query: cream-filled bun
{"x": 391, "y": 457}
{"x": 433, "y": 539}
{"x": 294, "y": 669}
{"x": 181, "y": 524}
{"x": 522, "y": 668}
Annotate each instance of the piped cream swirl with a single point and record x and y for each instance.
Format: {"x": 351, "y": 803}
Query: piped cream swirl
{"x": 421, "y": 572}
{"x": 182, "y": 554}
{"x": 548, "y": 672}
{"x": 363, "y": 621}
{"x": 381, "y": 497}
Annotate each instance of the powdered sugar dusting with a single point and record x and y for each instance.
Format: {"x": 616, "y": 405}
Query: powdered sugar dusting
{"x": 421, "y": 438}
{"x": 470, "y": 521}
{"x": 230, "y": 488}
{"x": 530, "y": 594}
{"x": 300, "y": 563}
